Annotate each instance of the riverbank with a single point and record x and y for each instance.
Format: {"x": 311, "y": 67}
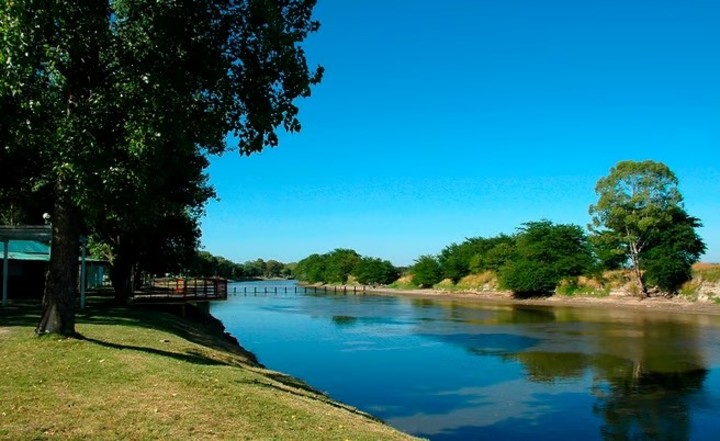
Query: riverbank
{"x": 148, "y": 374}
{"x": 617, "y": 300}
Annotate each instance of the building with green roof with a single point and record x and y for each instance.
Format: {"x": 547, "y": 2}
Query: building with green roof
{"x": 25, "y": 262}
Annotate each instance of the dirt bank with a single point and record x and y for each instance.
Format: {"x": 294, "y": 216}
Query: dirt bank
{"x": 660, "y": 304}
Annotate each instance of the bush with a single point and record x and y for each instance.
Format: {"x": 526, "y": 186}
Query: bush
{"x": 426, "y": 271}
{"x": 529, "y": 277}
{"x": 370, "y": 271}
{"x": 486, "y": 280}
{"x": 404, "y": 282}
{"x": 666, "y": 271}
{"x": 545, "y": 253}
{"x": 445, "y": 285}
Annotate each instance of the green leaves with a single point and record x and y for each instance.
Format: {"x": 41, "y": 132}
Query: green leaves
{"x": 544, "y": 254}
{"x": 121, "y": 100}
{"x": 641, "y": 210}
{"x": 333, "y": 267}
{"x": 369, "y": 271}
{"x": 426, "y": 271}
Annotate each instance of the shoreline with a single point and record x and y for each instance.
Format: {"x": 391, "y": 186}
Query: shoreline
{"x": 613, "y": 301}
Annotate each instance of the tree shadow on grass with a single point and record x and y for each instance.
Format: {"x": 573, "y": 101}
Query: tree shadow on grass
{"x": 203, "y": 330}
{"x": 194, "y": 358}
{"x": 20, "y": 313}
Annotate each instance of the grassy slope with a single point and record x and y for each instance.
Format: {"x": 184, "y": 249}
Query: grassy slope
{"x": 151, "y": 375}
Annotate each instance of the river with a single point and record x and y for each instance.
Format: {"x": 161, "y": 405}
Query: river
{"x": 459, "y": 370}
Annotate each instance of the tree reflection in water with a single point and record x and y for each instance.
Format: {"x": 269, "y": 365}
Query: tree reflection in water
{"x": 644, "y": 377}
{"x": 648, "y": 405}
{"x": 648, "y": 394}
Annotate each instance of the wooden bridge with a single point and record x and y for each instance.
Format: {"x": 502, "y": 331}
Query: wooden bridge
{"x": 262, "y": 290}
{"x": 180, "y": 290}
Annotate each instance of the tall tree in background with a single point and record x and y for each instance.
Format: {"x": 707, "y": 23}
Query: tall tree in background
{"x": 101, "y": 92}
{"x": 639, "y": 204}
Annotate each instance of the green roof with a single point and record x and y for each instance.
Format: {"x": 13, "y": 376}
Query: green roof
{"x": 32, "y": 250}
{"x": 27, "y": 250}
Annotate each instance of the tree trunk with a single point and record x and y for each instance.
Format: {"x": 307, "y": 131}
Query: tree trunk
{"x": 58, "y": 306}
{"x": 121, "y": 278}
{"x": 122, "y": 271}
{"x": 635, "y": 258}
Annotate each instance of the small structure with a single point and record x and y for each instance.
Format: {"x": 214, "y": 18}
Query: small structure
{"x": 26, "y": 253}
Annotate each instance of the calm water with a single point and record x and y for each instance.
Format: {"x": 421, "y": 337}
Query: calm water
{"x": 453, "y": 370}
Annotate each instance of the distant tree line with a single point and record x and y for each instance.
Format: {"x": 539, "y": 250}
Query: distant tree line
{"x": 638, "y": 224}
{"x": 340, "y": 265}
{"x": 204, "y": 264}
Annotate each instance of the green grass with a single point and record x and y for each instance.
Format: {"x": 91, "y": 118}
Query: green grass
{"x": 144, "y": 374}
{"x": 582, "y": 291}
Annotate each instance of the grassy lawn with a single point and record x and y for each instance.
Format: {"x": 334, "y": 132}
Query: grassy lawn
{"x": 141, "y": 374}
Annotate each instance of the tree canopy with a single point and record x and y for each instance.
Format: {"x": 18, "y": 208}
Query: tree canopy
{"x": 544, "y": 254}
{"x": 98, "y": 98}
{"x": 639, "y": 207}
{"x": 426, "y": 271}
{"x": 338, "y": 265}
{"x": 371, "y": 271}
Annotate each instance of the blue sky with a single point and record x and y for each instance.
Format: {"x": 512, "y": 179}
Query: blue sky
{"x": 438, "y": 121}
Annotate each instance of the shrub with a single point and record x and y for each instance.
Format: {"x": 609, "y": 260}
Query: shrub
{"x": 445, "y": 285}
{"x": 529, "y": 277}
{"x": 404, "y": 282}
{"x": 479, "y": 282}
{"x": 426, "y": 271}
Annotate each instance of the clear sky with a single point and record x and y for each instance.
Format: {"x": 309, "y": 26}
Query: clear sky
{"x": 441, "y": 120}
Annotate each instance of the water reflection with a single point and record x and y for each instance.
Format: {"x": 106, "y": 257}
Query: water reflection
{"x": 454, "y": 370}
{"x": 648, "y": 405}
{"x": 344, "y": 320}
{"x": 644, "y": 372}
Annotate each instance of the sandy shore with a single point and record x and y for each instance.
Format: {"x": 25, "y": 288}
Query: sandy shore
{"x": 660, "y": 304}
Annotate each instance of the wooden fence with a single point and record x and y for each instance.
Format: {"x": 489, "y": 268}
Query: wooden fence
{"x": 252, "y": 290}
{"x": 167, "y": 290}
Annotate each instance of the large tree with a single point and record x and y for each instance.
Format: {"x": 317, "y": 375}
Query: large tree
{"x": 639, "y": 203}
{"x": 100, "y": 92}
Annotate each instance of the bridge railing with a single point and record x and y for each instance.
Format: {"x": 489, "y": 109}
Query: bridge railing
{"x": 256, "y": 290}
{"x": 183, "y": 289}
